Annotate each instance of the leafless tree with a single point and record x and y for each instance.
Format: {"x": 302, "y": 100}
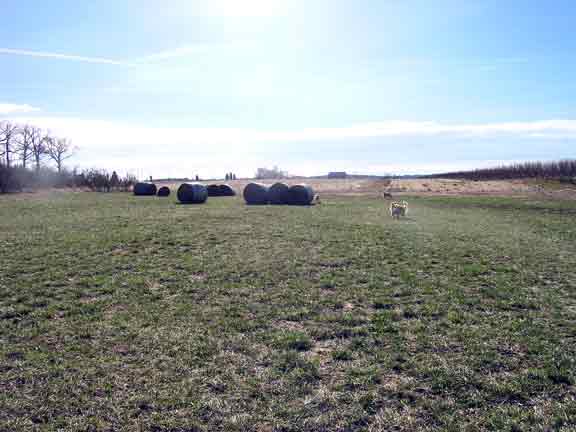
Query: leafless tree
{"x": 38, "y": 146}
{"x": 24, "y": 147}
{"x": 59, "y": 149}
{"x": 8, "y": 133}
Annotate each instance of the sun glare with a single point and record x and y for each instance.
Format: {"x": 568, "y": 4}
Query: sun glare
{"x": 248, "y": 8}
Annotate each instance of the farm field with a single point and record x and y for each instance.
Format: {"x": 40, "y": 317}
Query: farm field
{"x": 425, "y": 187}
{"x": 120, "y": 313}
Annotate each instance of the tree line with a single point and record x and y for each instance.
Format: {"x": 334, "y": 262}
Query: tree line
{"x": 21, "y": 145}
{"x": 31, "y": 157}
{"x": 563, "y": 170}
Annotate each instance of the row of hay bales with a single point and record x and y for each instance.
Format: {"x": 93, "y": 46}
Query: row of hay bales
{"x": 188, "y": 193}
{"x": 254, "y": 193}
{"x": 278, "y": 193}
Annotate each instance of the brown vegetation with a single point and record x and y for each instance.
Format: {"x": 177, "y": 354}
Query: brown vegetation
{"x": 436, "y": 186}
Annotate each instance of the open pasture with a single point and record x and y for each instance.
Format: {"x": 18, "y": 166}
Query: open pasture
{"x": 538, "y": 188}
{"x": 124, "y": 313}
{"x": 418, "y": 187}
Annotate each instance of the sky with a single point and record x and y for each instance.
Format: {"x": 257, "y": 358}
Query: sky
{"x": 184, "y": 87}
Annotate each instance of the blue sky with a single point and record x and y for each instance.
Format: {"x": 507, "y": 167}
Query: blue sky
{"x": 369, "y": 86}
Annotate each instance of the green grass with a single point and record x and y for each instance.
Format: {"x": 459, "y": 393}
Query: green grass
{"x": 122, "y": 313}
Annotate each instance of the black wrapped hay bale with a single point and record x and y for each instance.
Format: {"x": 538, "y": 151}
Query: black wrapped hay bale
{"x": 220, "y": 190}
{"x": 278, "y": 193}
{"x": 256, "y": 193}
{"x": 144, "y": 189}
{"x": 164, "y": 191}
{"x": 192, "y": 193}
{"x": 300, "y": 195}
{"x": 213, "y": 190}
{"x": 226, "y": 190}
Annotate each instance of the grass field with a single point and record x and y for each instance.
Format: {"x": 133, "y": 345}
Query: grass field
{"x": 120, "y": 313}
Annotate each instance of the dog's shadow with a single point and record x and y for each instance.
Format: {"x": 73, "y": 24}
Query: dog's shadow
{"x": 405, "y": 218}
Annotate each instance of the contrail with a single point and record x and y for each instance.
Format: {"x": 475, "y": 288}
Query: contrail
{"x": 100, "y": 60}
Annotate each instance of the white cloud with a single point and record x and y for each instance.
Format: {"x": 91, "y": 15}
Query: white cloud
{"x": 44, "y": 54}
{"x": 430, "y": 128}
{"x": 407, "y": 147}
{"x": 6, "y": 108}
{"x": 100, "y": 132}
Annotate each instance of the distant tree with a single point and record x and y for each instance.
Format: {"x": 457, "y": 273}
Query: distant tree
{"x": 24, "y": 147}
{"x": 233, "y": 176}
{"x": 59, "y": 149}
{"x": 197, "y": 178}
{"x": 8, "y": 134}
{"x": 38, "y": 146}
{"x": 547, "y": 170}
{"x": 114, "y": 180}
{"x": 227, "y": 176}
{"x": 128, "y": 181}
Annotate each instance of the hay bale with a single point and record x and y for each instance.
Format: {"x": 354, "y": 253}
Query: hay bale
{"x": 220, "y": 190}
{"x": 226, "y": 190}
{"x": 278, "y": 193}
{"x": 300, "y": 195}
{"x": 144, "y": 189}
{"x": 213, "y": 190}
{"x": 164, "y": 191}
{"x": 192, "y": 193}
{"x": 256, "y": 193}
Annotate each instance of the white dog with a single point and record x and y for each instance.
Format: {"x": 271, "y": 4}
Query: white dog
{"x": 398, "y": 208}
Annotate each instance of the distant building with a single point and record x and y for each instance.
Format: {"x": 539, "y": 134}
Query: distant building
{"x": 337, "y": 175}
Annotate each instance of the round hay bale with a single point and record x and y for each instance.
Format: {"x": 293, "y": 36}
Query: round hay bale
{"x": 256, "y": 193}
{"x": 278, "y": 193}
{"x": 192, "y": 193}
{"x": 226, "y": 190}
{"x": 300, "y": 195}
{"x": 164, "y": 191}
{"x": 144, "y": 189}
{"x": 213, "y": 190}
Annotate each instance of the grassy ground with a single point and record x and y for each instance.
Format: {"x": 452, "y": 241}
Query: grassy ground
{"x": 122, "y": 313}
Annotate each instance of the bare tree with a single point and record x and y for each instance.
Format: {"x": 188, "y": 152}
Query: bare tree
{"x": 8, "y": 133}
{"x": 24, "y": 148}
{"x": 114, "y": 180}
{"x": 38, "y": 146}
{"x": 59, "y": 149}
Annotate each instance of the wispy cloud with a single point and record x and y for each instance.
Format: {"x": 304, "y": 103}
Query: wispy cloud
{"x": 6, "y": 108}
{"x": 146, "y": 134}
{"x": 368, "y": 147}
{"x": 181, "y": 51}
{"x": 59, "y": 56}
